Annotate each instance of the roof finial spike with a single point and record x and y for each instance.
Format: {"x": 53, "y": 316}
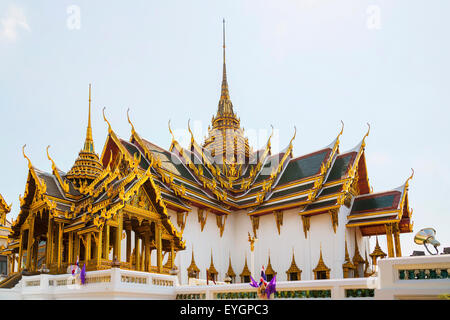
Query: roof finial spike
{"x": 410, "y": 177}
{"x": 223, "y": 40}
{"x": 129, "y": 121}
{"x": 25, "y": 156}
{"x": 224, "y": 94}
{"x": 295, "y": 134}
{"x": 49, "y": 158}
{"x": 106, "y": 120}
{"x": 342, "y": 129}
{"x": 89, "y": 143}
{"x": 170, "y": 130}
{"x": 89, "y": 123}
{"x": 365, "y": 136}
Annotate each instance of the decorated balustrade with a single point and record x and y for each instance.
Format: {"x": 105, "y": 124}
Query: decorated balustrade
{"x": 360, "y": 288}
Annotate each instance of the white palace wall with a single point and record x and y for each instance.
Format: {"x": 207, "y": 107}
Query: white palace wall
{"x": 234, "y": 243}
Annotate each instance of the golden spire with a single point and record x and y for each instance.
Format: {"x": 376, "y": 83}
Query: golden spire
{"x": 225, "y": 105}
{"x": 225, "y": 95}
{"x": 377, "y": 252}
{"x": 357, "y": 256}
{"x": 245, "y": 272}
{"x": 269, "y": 270}
{"x": 347, "y": 262}
{"x": 293, "y": 268}
{"x": 89, "y": 143}
{"x": 87, "y": 166}
{"x": 212, "y": 269}
{"x": 193, "y": 270}
{"x": 230, "y": 271}
{"x": 226, "y": 138}
{"x": 321, "y": 266}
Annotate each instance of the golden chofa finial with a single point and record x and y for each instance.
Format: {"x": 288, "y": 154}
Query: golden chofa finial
{"x": 271, "y": 134}
{"x": 190, "y": 131}
{"x": 129, "y": 121}
{"x": 25, "y": 156}
{"x": 270, "y": 137}
{"x": 342, "y": 129}
{"x": 295, "y": 134}
{"x": 407, "y": 180}
{"x": 104, "y": 118}
{"x": 366, "y": 135}
{"x": 170, "y": 130}
{"x": 49, "y": 158}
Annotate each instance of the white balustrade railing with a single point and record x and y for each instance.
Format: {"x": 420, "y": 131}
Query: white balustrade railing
{"x": 361, "y": 288}
{"x": 425, "y": 277}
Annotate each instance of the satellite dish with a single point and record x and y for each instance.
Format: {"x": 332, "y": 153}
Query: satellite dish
{"x": 427, "y": 235}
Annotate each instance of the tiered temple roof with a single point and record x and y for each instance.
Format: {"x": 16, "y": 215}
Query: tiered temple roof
{"x": 92, "y": 192}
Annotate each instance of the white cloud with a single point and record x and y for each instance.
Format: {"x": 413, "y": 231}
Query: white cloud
{"x": 12, "y": 22}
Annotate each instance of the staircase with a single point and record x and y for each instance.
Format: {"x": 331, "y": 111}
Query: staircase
{"x": 11, "y": 281}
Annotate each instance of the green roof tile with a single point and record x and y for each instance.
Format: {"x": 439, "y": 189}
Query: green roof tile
{"x": 379, "y": 202}
{"x": 303, "y": 167}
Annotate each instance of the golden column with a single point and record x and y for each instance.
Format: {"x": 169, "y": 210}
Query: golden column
{"x": 390, "y": 243}
{"x": 147, "y": 252}
{"x": 30, "y": 241}
{"x": 13, "y": 262}
{"x": 35, "y": 249}
{"x": 118, "y": 238}
{"x": 172, "y": 252}
{"x": 55, "y": 243}
{"x": 88, "y": 248}
{"x": 158, "y": 230}
{"x": 142, "y": 255}
{"x": 49, "y": 247}
{"x": 98, "y": 253}
{"x": 128, "y": 232}
{"x": 136, "y": 251}
{"x": 106, "y": 243}
{"x": 19, "y": 267}
{"x": 70, "y": 249}
{"x": 60, "y": 247}
{"x": 398, "y": 248}
{"x": 76, "y": 246}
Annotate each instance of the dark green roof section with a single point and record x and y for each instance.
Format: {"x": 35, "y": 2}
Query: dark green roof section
{"x": 303, "y": 167}
{"x": 319, "y": 205}
{"x": 331, "y": 190}
{"x": 340, "y": 167}
{"x": 292, "y": 190}
{"x": 246, "y": 201}
{"x": 282, "y": 203}
{"x": 384, "y": 201}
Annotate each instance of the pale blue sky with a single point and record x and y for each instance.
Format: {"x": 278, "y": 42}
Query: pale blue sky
{"x": 303, "y": 63}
